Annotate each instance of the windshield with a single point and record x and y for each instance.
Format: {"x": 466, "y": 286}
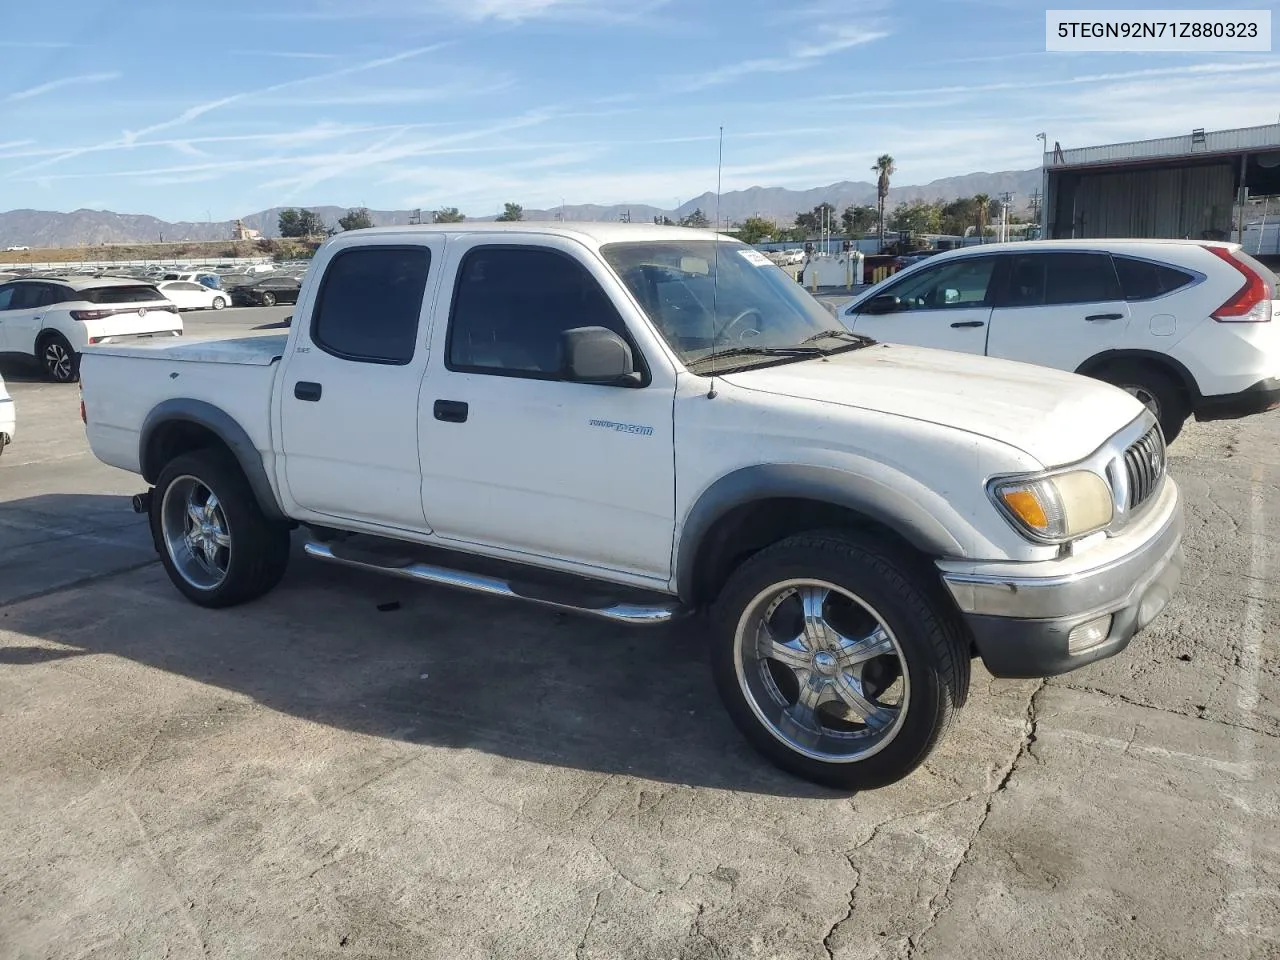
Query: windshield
{"x": 752, "y": 304}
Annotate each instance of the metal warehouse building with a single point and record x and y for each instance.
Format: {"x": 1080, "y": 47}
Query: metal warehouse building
{"x": 1191, "y": 186}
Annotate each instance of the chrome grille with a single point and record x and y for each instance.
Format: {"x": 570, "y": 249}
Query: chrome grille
{"x": 1144, "y": 466}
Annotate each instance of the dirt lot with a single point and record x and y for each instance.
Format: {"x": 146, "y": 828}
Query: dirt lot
{"x": 311, "y": 776}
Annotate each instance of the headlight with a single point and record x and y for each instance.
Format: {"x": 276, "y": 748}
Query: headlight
{"x": 1057, "y": 508}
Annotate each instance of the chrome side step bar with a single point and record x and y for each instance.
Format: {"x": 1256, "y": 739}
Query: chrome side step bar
{"x": 636, "y": 614}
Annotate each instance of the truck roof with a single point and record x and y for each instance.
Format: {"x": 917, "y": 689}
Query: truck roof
{"x": 598, "y": 232}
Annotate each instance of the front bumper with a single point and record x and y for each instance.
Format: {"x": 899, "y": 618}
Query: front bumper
{"x": 1258, "y": 398}
{"x": 1021, "y": 615}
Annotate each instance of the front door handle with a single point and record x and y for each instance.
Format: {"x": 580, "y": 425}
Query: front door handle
{"x": 306, "y": 390}
{"x": 1104, "y": 316}
{"x": 969, "y": 323}
{"x": 451, "y": 411}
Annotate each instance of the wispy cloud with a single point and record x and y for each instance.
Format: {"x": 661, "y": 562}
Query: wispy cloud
{"x": 475, "y": 11}
{"x": 131, "y": 137}
{"x": 1032, "y": 84}
{"x": 78, "y": 80}
{"x": 285, "y": 54}
{"x": 35, "y": 44}
{"x": 802, "y": 56}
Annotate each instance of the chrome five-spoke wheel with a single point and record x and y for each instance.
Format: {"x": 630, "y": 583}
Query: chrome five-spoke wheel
{"x": 196, "y": 534}
{"x": 821, "y": 670}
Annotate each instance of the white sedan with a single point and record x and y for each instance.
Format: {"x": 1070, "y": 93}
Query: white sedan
{"x": 8, "y": 418}
{"x": 188, "y": 295}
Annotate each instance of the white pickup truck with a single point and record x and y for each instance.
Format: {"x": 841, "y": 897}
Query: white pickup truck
{"x": 636, "y": 422}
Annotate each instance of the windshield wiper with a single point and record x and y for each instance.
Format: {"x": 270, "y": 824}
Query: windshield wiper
{"x": 795, "y": 351}
{"x": 841, "y": 335}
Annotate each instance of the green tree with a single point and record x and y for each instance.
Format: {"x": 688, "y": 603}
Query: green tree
{"x": 918, "y": 216}
{"x": 288, "y": 223}
{"x": 299, "y": 223}
{"x": 858, "y": 219}
{"x": 448, "y": 215}
{"x": 511, "y": 212}
{"x": 883, "y": 168}
{"x": 811, "y": 223}
{"x": 355, "y": 219}
{"x": 982, "y": 211}
{"x": 957, "y": 215}
{"x": 696, "y": 219}
{"x": 755, "y": 229}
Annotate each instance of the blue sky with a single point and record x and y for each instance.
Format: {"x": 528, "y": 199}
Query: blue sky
{"x": 195, "y": 111}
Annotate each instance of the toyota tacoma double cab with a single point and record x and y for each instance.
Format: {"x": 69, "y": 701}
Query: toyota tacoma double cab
{"x": 637, "y": 423}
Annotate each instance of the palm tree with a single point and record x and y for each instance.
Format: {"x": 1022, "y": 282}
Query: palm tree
{"x": 983, "y": 203}
{"x": 884, "y": 169}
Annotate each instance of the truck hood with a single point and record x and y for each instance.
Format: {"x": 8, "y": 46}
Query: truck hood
{"x": 1056, "y": 417}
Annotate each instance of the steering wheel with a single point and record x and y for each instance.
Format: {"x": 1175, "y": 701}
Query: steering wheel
{"x": 728, "y": 328}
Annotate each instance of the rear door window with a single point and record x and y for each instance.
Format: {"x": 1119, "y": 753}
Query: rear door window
{"x": 1053, "y": 279}
{"x": 1146, "y": 279}
{"x": 370, "y": 302}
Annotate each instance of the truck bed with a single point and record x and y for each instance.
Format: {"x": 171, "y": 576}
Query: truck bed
{"x": 123, "y": 383}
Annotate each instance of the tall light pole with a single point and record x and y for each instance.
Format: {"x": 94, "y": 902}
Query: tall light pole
{"x": 1043, "y": 210}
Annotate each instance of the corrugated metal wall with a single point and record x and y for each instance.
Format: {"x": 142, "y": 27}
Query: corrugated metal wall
{"x": 1174, "y": 203}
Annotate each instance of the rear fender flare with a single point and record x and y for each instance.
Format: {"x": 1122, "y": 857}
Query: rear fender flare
{"x": 225, "y": 428}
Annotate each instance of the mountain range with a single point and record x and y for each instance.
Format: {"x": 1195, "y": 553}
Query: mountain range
{"x": 44, "y": 228}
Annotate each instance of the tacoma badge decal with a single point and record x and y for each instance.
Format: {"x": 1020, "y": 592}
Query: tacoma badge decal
{"x": 633, "y": 428}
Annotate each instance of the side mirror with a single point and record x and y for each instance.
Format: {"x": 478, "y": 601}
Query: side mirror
{"x": 950, "y": 296}
{"x": 597, "y": 355}
{"x": 885, "y": 303}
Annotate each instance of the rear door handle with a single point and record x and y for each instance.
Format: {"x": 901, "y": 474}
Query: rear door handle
{"x": 969, "y": 323}
{"x": 1104, "y": 316}
{"x": 451, "y": 411}
{"x": 306, "y": 390}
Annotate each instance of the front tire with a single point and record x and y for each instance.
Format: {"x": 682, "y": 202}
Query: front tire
{"x": 268, "y": 299}
{"x": 219, "y": 303}
{"x": 214, "y": 541}
{"x": 60, "y": 362}
{"x": 835, "y": 663}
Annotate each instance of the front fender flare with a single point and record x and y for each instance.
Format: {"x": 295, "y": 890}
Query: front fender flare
{"x": 875, "y": 498}
{"x": 222, "y": 425}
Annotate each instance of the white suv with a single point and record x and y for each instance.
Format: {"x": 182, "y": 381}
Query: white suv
{"x": 52, "y": 319}
{"x": 1184, "y": 326}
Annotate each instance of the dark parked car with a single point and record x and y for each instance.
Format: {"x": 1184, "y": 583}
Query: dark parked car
{"x": 266, "y": 292}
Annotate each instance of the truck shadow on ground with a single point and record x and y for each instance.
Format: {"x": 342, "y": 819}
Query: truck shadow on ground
{"x": 20, "y": 370}
{"x": 378, "y": 656}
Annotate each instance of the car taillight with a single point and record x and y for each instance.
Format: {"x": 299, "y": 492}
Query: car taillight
{"x": 90, "y": 314}
{"x": 1252, "y": 302}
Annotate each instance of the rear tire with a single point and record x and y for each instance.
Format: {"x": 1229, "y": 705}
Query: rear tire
{"x": 268, "y": 299}
{"x": 1156, "y": 390}
{"x": 812, "y": 636}
{"x": 219, "y": 303}
{"x": 58, "y": 360}
{"x": 214, "y": 541}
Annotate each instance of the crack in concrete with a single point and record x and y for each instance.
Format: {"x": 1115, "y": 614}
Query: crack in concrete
{"x": 586, "y": 931}
{"x": 853, "y": 894}
{"x": 1169, "y": 710}
{"x": 939, "y": 903}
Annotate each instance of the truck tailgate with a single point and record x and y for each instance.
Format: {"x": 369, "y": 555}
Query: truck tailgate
{"x": 122, "y": 384}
